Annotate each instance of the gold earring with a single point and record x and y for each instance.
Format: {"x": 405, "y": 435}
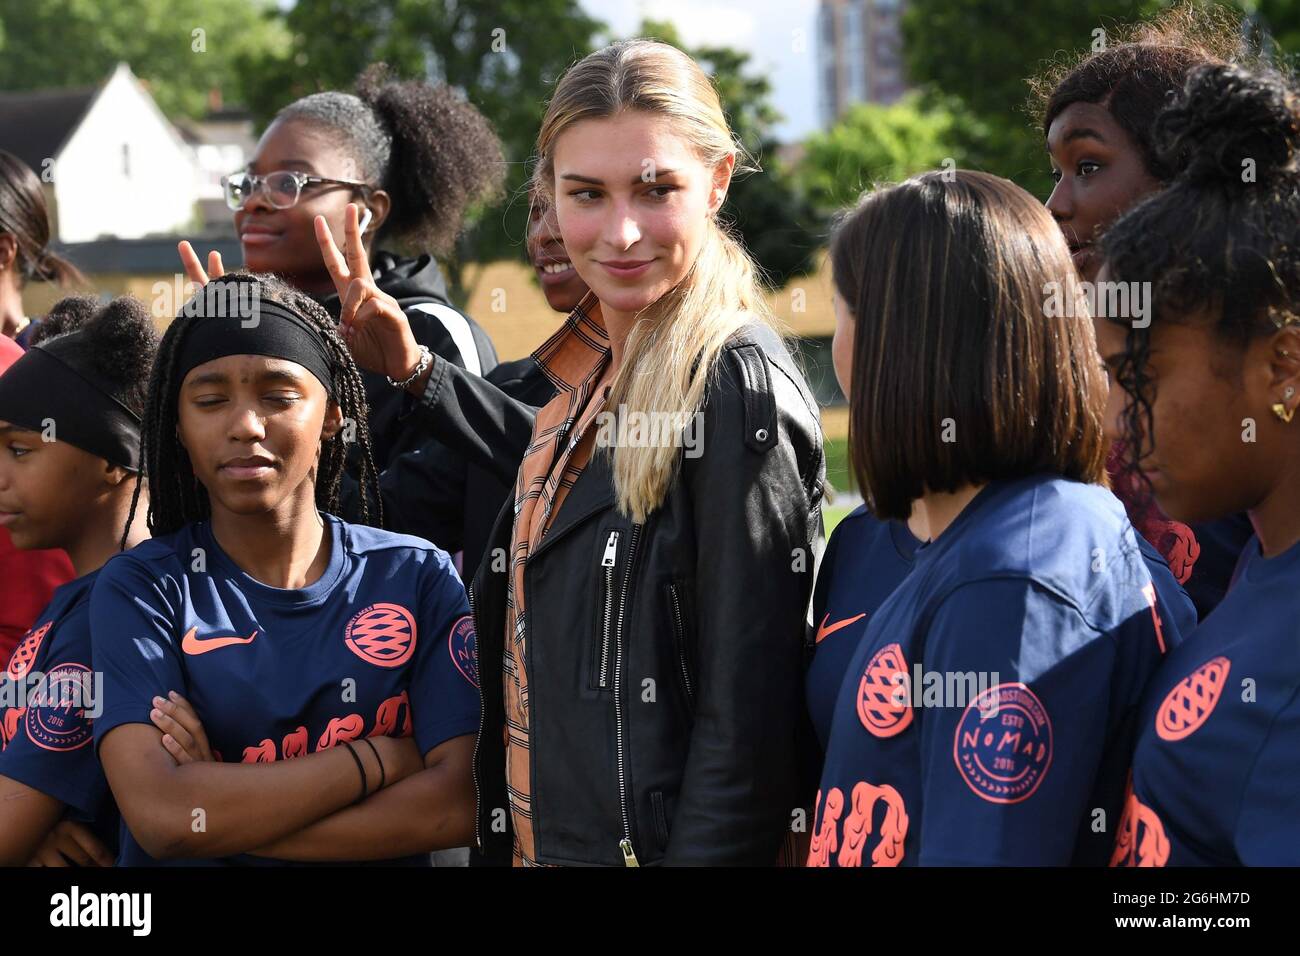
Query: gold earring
{"x": 1281, "y": 412}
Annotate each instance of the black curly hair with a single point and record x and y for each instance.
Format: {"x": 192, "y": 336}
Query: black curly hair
{"x": 120, "y": 338}
{"x": 176, "y": 497}
{"x": 1137, "y": 77}
{"x": 1224, "y": 237}
{"x": 426, "y": 146}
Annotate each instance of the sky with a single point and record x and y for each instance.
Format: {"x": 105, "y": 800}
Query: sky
{"x": 779, "y": 35}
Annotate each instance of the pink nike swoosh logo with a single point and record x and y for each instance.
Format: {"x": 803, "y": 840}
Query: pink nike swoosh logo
{"x": 824, "y": 631}
{"x": 191, "y": 644}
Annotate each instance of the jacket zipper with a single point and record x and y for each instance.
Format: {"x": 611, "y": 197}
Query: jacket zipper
{"x": 482, "y": 721}
{"x": 681, "y": 644}
{"x": 625, "y": 845}
{"x": 607, "y": 563}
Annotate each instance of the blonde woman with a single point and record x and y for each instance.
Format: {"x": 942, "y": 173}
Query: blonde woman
{"x": 641, "y": 607}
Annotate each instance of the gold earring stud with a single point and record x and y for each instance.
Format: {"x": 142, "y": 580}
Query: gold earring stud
{"x": 1282, "y": 413}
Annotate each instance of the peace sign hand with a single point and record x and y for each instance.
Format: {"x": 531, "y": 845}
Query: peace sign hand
{"x": 370, "y": 320}
{"x": 194, "y": 268}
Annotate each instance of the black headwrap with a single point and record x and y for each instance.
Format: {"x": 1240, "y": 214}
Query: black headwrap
{"x": 55, "y": 383}
{"x": 232, "y": 318}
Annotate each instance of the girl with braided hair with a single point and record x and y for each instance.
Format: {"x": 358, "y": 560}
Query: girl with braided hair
{"x": 258, "y": 628}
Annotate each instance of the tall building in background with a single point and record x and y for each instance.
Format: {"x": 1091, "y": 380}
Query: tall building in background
{"x": 860, "y": 49}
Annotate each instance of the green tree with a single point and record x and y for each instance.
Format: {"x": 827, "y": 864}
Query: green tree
{"x": 872, "y": 143}
{"x": 183, "y": 49}
{"x": 1281, "y": 20}
{"x": 504, "y": 55}
{"x": 776, "y": 222}
{"x": 980, "y": 53}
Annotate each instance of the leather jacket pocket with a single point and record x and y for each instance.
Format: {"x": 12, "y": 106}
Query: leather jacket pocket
{"x": 679, "y": 613}
{"x": 661, "y": 817}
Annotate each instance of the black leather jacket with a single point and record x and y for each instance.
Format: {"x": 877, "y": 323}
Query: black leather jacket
{"x": 664, "y": 660}
{"x": 437, "y": 493}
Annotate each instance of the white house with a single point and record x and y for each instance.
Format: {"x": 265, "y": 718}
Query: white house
{"x": 113, "y": 163}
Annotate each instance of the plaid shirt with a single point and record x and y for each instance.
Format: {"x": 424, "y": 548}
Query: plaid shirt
{"x": 577, "y": 359}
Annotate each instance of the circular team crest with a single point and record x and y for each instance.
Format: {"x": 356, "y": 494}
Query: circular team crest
{"x": 1003, "y": 744}
{"x": 462, "y": 643}
{"x": 25, "y": 654}
{"x": 382, "y": 634}
{"x": 56, "y": 711}
{"x": 885, "y": 700}
{"x": 1191, "y": 701}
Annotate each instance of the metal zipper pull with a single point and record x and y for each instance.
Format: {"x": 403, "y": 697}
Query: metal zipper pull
{"x": 607, "y": 562}
{"x": 629, "y": 858}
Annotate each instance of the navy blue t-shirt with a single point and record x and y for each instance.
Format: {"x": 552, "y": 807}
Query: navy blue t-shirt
{"x": 1175, "y": 609}
{"x": 987, "y": 716}
{"x": 48, "y": 700}
{"x": 865, "y": 559}
{"x": 1217, "y": 547}
{"x": 381, "y": 643}
{"x": 1216, "y": 774}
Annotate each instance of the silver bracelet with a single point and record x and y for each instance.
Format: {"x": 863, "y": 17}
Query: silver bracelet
{"x": 426, "y": 358}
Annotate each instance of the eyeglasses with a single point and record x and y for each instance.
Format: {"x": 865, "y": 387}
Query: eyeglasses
{"x": 281, "y": 188}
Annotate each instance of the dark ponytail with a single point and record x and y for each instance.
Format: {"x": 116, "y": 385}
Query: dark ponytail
{"x": 431, "y": 150}
{"x": 1233, "y": 129}
{"x": 23, "y": 215}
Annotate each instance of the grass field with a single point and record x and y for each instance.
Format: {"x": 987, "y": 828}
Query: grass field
{"x": 833, "y": 515}
{"x": 837, "y": 474}
{"x": 837, "y": 464}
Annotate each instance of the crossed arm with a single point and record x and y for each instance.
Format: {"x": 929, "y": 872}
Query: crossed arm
{"x": 179, "y": 802}
{"x": 33, "y": 831}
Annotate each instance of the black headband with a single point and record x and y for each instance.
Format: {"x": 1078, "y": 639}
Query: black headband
{"x": 55, "y": 383}
{"x": 229, "y": 321}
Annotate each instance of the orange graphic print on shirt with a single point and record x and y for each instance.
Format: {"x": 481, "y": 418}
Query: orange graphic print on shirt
{"x": 24, "y": 655}
{"x": 1191, "y": 701}
{"x": 859, "y": 825}
{"x": 1141, "y": 840}
{"x": 885, "y": 693}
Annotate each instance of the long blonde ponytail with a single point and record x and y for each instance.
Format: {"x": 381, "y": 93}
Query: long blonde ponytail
{"x": 675, "y": 343}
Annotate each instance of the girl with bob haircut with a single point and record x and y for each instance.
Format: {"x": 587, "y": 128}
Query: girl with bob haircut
{"x": 1031, "y": 602}
{"x": 642, "y": 601}
{"x": 1205, "y": 398}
